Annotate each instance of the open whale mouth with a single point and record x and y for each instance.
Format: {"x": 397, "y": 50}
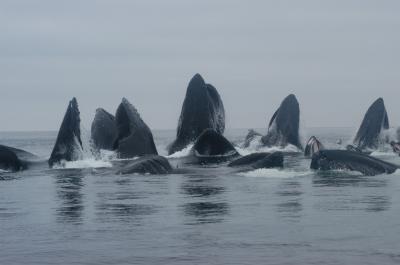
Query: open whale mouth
{"x": 213, "y": 147}
{"x": 214, "y": 159}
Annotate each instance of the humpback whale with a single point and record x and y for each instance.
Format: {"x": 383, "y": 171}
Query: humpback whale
{"x": 21, "y": 154}
{"x": 68, "y": 145}
{"x": 9, "y": 160}
{"x": 396, "y": 147}
{"x": 250, "y": 137}
{"x": 212, "y": 147}
{"x": 202, "y": 109}
{"x": 104, "y": 130}
{"x": 312, "y": 147}
{"x": 14, "y": 159}
{"x": 283, "y": 128}
{"x": 349, "y": 160}
{"x": 375, "y": 120}
{"x": 134, "y": 137}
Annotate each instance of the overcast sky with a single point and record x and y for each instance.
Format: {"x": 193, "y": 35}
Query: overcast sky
{"x": 336, "y": 56}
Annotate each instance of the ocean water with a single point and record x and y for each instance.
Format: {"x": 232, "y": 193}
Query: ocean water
{"x": 80, "y": 215}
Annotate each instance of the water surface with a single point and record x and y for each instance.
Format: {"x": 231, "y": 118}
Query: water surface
{"x": 294, "y": 216}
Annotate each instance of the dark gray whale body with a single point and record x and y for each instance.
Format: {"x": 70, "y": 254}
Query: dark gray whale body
{"x": 14, "y": 159}
{"x": 259, "y": 160}
{"x": 134, "y": 136}
{"x": 349, "y": 160}
{"x": 9, "y": 160}
{"x": 68, "y": 145}
{"x": 375, "y": 120}
{"x": 283, "y": 127}
{"x": 104, "y": 130}
{"x": 202, "y": 109}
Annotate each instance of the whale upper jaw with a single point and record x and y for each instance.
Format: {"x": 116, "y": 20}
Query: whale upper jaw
{"x": 375, "y": 121}
{"x": 134, "y": 137}
{"x": 68, "y": 145}
{"x": 350, "y": 160}
{"x": 284, "y": 125}
{"x": 202, "y": 109}
{"x": 103, "y": 130}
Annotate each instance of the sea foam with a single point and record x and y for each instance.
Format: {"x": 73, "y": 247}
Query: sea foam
{"x": 273, "y": 173}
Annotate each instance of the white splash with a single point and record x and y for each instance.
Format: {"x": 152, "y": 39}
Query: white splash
{"x": 87, "y": 144}
{"x": 258, "y": 148}
{"x": 108, "y": 155}
{"x": 384, "y": 153}
{"x": 272, "y": 173}
{"x": 184, "y": 152}
{"x": 86, "y": 163}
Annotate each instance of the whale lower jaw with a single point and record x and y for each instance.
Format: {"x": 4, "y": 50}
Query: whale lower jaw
{"x": 350, "y": 160}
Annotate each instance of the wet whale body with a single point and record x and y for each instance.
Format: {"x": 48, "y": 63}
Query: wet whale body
{"x": 375, "y": 121}
{"x": 104, "y": 130}
{"x": 202, "y": 109}
{"x": 68, "y": 146}
{"x": 353, "y": 161}
{"x": 134, "y": 137}
{"x": 14, "y": 159}
{"x": 9, "y": 160}
{"x": 283, "y": 128}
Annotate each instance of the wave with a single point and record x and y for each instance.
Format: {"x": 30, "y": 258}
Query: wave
{"x": 384, "y": 153}
{"x": 184, "y": 152}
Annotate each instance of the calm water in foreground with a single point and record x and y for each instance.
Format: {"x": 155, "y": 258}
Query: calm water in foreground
{"x": 290, "y": 216}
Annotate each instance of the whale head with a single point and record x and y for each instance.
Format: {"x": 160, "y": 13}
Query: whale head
{"x": 103, "y": 130}
{"x": 68, "y": 145}
{"x": 283, "y": 128}
{"x": 375, "y": 120}
{"x": 134, "y": 137}
{"x": 202, "y": 109}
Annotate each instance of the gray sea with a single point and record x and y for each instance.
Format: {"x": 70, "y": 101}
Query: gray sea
{"x": 79, "y": 215}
